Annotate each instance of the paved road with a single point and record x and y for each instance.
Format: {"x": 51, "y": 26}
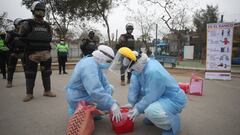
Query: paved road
{"x": 215, "y": 113}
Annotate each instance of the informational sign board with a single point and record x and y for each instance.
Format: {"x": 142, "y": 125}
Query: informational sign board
{"x": 219, "y": 50}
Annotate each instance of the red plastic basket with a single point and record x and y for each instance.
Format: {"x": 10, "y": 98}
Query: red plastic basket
{"x": 184, "y": 86}
{"x": 125, "y": 125}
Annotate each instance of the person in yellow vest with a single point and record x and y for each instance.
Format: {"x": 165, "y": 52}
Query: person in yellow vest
{"x": 62, "y": 51}
{"x": 3, "y": 54}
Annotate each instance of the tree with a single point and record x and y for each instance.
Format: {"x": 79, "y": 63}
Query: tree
{"x": 57, "y": 13}
{"x": 200, "y": 20}
{"x": 63, "y": 13}
{"x": 4, "y": 23}
{"x": 174, "y": 17}
{"x": 204, "y": 16}
{"x": 145, "y": 22}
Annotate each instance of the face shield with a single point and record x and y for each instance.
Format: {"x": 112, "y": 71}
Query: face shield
{"x": 123, "y": 60}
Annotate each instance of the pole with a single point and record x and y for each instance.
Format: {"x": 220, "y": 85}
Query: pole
{"x": 156, "y": 33}
{"x": 116, "y": 35}
{"x": 221, "y": 18}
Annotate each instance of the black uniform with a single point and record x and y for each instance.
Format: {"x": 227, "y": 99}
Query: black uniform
{"x": 38, "y": 36}
{"x": 125, "y": 40}
{"x": 3, "y": 55}
{"x": 89, "y": 45}
{"x": 16, "y": 50}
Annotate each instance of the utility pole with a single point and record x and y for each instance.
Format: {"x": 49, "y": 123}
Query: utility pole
{"x": 156, "y": 33}
{"x": 116, "y": 35}
{"x": 221, "y": 18}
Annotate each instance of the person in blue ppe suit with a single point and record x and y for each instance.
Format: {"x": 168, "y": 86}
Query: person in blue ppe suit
{"x": 154, "y": 92}
{"x": 88, "y": 83}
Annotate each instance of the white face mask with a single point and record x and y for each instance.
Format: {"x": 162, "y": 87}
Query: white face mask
{"x": 138, "y": 67}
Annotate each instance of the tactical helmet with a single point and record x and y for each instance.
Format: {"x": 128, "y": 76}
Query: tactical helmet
{"x": 129, "y": 26}
{"x": 38, "y": 6}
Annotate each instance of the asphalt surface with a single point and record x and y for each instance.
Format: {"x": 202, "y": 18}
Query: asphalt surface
{"x": 217, "y": 112}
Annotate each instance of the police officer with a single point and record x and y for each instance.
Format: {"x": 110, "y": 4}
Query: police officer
{"x": 62, "y": 51}
{"x": 126, "y": 40}
{"x": 89, "y": 44}
{"x": 16, "y": 50}
{"x": 3, "y": 54}
{"x": 38, "y": 35}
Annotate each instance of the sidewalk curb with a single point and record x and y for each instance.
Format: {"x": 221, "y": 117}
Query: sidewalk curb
{"x": 71, "y": 65}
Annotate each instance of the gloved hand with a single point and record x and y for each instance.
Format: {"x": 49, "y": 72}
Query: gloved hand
{"x": 117, "y": 115}
{"x": 133, "y": 113}
{"x": 128, "y": 105}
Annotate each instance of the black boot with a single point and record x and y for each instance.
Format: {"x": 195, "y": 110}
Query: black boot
{"x": 9, "y": 84}
{"x": 4, "y": 76}
{"x": 60, "y": 70}
{"x": 64, "y": 71}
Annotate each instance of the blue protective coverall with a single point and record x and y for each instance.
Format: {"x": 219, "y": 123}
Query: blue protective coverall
{"x": 88, "y": 83}
{"x": 155, "y": 93}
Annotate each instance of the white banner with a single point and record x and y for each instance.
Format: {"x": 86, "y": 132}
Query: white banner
{"x": 219, "y": 46}
{"x": 218, "y": 76}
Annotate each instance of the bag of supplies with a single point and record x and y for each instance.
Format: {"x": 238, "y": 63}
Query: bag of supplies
{"x": 196, "y": 85}
{"x": 82, "y": 121}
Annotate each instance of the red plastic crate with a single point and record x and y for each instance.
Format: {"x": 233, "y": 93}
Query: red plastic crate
{"x": 125, "y": 125}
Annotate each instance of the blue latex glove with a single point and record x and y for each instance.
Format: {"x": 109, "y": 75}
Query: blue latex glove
{"x": 133, "y": 113}
{"x": 117, "y": 115}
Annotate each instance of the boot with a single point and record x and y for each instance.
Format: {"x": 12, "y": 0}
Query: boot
{"x": 122, "y": 82}
{"x": 4, "y": 76}
{"x": 9, "y": 84}
{"x": 60, "y": 70}
{"x": 65, "y": 72}
{"x": 28, "y": 97}
{"x": 49, "y": 94}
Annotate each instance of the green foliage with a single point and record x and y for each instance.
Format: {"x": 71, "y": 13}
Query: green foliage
{"x": 204, "y": 16}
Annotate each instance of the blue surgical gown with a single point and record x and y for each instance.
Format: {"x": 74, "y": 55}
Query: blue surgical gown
{"x": 153, "y": 84}
{"x": 88, "y": 83}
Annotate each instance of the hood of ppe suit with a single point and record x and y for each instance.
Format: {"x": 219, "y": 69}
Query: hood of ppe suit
{"x": 103, "y": 54}
{"x": 141, "y": 62}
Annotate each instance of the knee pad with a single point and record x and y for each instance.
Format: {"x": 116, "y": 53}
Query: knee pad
{"x": 46, "y": 73}
{"x": 157, "y": 115}
{"x": 30, "y": 74}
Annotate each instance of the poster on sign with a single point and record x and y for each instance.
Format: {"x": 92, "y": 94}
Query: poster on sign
{"x": 219, "y": 49}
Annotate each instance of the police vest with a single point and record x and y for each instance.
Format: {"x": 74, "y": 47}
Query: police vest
{"x": 62, "y": 49}
{"x": 39, "y": 37}
{"x": 17, "y": 45}
{"x": 3, "y": 47}
{"x": 129, "y": 41}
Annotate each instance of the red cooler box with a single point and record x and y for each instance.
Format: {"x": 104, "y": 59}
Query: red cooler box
{"x": 125, "y": 125}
